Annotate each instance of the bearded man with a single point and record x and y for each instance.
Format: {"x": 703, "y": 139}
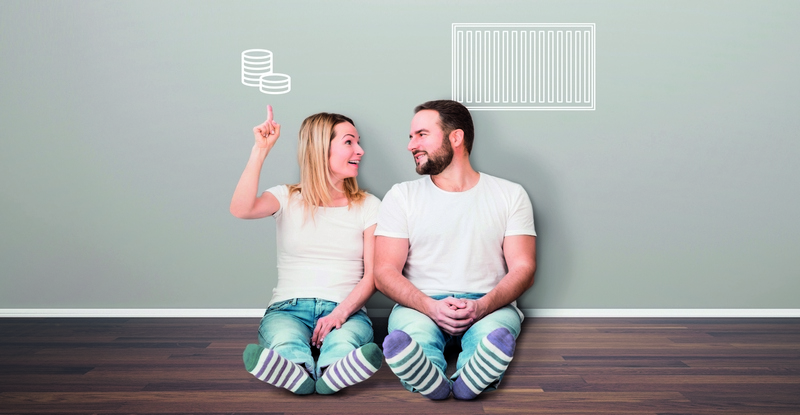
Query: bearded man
{"x": 454, "y": 249}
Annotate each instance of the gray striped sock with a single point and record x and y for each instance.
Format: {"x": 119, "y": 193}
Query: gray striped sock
{"x": 404, "y": 356}
{"x": 490, "y": 361}
{"x": 270, "y": 367}
{"x": 356, "y": 367}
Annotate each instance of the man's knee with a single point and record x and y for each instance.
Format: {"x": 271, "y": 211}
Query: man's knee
{"x": 417, "y": 325}
{"x": 506, "y": 317}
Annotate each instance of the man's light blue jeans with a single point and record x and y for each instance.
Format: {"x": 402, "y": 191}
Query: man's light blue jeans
{"x": 433, "y": 340}
{"x": 287, "y": 327}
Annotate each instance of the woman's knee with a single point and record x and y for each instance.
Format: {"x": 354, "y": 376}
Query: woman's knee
{"x": 355, "y": 331}
{"x": 282, "y": 330}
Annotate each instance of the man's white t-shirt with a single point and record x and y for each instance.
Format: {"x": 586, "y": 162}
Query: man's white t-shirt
{"x": 320, "y": 257}
{"x": 455, "y": 238}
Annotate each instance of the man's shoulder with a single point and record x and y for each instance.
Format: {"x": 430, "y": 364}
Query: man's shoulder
{"x": 497, "y": 182}
{"x": 409, "y": 186}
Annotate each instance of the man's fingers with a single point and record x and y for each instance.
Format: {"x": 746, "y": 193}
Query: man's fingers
{"x": 455, "y": 301}
{"x": 269, "y": 114}
{"x": 453, "y": 330}
{"x": 454, "y": 323}
{"x": 456, "y": 313}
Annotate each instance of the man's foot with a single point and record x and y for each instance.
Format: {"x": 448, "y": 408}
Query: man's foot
{"x": 404, "y": 356}
{"x": 491, "y": 358}
{"x": 356, "y": 367}
{"x": 270, "y": 367}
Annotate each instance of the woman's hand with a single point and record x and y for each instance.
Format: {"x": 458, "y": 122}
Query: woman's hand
{"x": 267, "y": 134}
{"x": 325, "y": 325}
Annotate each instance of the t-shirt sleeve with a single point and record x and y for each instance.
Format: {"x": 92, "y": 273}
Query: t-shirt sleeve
{"x": 520, "y": 221}
{"x": 392, "y": 215}
{"x": 370, "y": 210}
{"x": 281, "y": 192}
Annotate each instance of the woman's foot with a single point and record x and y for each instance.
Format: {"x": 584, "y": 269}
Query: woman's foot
{"x": 356, "y": 367}
{"x": 270, "y": 367}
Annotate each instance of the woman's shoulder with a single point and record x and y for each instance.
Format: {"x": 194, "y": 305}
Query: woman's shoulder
{"x": 366, "y": 204}
{"x": 281, "y": 189}
{"x": 286, "y": 195}
{"x": 370, "y": 198}
{"x": 369, "y": 201}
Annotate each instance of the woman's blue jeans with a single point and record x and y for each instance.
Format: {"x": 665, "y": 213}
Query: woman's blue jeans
{"x": 287, "y": 327}
{"x": 433, "y": 340}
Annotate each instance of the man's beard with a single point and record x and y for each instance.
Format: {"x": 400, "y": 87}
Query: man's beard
{"x": 438, "y": 160}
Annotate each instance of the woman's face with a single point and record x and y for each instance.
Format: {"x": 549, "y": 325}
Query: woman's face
{"x": 345, "y": 153}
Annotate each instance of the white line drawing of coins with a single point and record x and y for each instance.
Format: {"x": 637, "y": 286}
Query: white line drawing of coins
{"x": 255, "y": 63}
{"x": 275, "y": 83}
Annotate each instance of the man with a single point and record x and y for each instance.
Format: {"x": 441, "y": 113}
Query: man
{"x": 455, "y": 250}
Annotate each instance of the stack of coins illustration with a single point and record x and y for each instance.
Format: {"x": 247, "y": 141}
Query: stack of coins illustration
{"x": 275, "y": 83}
{"x": 257, "y": 72}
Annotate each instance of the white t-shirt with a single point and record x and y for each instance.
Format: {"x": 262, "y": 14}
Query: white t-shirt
{"x": 455, "y": 238}
{"x": 321, "y": 257}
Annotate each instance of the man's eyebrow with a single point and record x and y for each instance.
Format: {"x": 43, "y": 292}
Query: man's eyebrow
{"x": 419, "y": 131}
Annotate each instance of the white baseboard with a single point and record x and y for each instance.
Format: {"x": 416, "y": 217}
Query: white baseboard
{"x": 663, "y": 312}
{"x": 384, "y": 312}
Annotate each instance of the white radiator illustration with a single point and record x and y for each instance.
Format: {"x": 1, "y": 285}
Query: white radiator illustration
{"x": 524, "y": 66}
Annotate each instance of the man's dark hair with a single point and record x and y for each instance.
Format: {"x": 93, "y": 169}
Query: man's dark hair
{"x": 452, "y": 116}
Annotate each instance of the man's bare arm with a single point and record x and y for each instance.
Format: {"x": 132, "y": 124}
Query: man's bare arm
{"x": 390, "y": 258}
{"x": 520, "y": 255}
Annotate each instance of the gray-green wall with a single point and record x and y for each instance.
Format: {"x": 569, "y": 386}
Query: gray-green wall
{"x": 124, "y": 128}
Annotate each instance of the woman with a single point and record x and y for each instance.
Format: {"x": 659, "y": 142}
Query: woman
{"x": 325, "y": 226}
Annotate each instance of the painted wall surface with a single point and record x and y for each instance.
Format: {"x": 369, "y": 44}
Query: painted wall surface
{"x": 125, "y": 126}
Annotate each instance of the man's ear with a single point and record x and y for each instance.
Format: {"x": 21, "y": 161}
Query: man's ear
{"x": 456, "y": 138}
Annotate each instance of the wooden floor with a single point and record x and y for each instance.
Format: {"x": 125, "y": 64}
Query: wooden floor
{"x": 599, "y": 366}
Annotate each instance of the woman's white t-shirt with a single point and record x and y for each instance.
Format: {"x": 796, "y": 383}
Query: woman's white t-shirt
{"x": 320, "y": 257}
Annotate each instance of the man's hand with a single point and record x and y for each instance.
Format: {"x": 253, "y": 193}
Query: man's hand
{"x": 324, "y": 326}
{"x": 474, "y": 310}
{"x": 450, "y": 315}
{"x": 455, "y": 303}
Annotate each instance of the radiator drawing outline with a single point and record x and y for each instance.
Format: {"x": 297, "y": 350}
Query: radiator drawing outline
{"x": 523, "y": 66}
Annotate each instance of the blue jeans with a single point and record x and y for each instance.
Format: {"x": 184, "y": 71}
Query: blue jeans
{"x": 287, "y": 327}
{"x": 433, "y": 340}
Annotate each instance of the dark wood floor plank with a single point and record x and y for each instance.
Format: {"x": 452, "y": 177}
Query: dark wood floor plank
{"x": 561, "y": 366}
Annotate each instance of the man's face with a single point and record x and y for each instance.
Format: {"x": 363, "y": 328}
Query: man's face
{"x": 431, "y": 149}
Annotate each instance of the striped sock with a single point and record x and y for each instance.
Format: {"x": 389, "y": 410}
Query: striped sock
{"x": 268, "y": 366}
{"x": 491, "y": 358}
{"x": 356, "y": 367}
{"x": 404, "y": 356}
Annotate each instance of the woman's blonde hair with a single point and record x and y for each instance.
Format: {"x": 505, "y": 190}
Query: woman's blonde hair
{"x": 316, "y": 134}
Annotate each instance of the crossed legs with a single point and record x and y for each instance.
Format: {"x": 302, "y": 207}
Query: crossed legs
{"x": 486, "y": 349}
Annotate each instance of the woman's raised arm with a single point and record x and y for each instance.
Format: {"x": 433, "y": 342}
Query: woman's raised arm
{"x": 245, "y": 203}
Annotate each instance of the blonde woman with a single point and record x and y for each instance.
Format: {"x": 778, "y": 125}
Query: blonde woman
{"x": 325, "y": 227}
